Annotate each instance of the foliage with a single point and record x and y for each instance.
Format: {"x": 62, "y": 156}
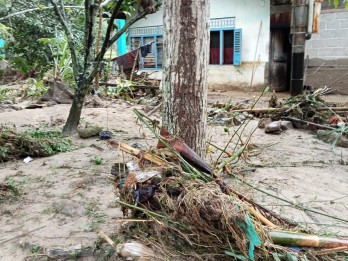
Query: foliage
{"x": 36, "y": 142}
{"x": 4, "y": 94}
{"x": 122, "y": 90}
{"x": 61, "y": 58}
{"x": 27, "y": 28}
{"x": 35, "y": 89}
{"x": 336, "y": 3}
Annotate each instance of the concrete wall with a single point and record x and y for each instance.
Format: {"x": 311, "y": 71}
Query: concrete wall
{"x": 250, "y": 15}
{"x": 331, "y": 42}
{"x": 328, "y": 52}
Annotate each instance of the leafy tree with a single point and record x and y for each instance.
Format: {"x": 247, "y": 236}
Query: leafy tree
{"x": 86, "y": 69}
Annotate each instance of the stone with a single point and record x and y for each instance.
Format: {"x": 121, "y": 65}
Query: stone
{"x": 90, "y": 131}
{"x": 227, "y": 121}
{"x": 322, "y": 134}
{"x": 263, "y": 122}
{"x": 285, "y": 125}
{"x": 273, "y": 127}
{"x": 135, "y": 251}
{"x": 16, "y": 107}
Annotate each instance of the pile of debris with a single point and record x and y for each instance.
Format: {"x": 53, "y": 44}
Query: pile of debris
{"x": 173, "y": 201}
{"x": 34, "y": 142}
{"x": 308, "y": 111}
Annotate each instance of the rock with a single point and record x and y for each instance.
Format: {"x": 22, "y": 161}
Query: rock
{"x": 227, "y": 121}
{"x": 7, "y": 102}
{"x": 322, "y": 134}
{"x": 90, "y": 131}
{"x": 342, "y": 141}
{"x": 273, "y": 127}
{"x": 285, "y": 125}
{"x": 16, "y": 107}
{"x": 263, "y": 122}
{"x": 135, "y": 251}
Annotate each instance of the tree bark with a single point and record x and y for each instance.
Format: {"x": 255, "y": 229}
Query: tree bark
{"x": 185, "y": 72}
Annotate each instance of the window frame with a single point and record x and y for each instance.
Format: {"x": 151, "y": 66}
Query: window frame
{"x": 154, "y": 49}
{"x": 236, "y": 46}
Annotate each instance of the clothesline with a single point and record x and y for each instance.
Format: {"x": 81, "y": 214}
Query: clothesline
{"x": 126, "y": 61}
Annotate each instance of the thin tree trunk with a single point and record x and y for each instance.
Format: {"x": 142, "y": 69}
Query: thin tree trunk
{"x": 73, "y": 120}
{"x": 185, "y": 72}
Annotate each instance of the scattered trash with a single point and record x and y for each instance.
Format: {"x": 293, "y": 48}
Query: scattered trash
{"x": 27, "y": 159}
{"x": 105, "y": 135}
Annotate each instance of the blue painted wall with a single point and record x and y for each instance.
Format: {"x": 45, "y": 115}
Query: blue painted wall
{"x": 122, "y": 41}
{"x": 2, "y": 48}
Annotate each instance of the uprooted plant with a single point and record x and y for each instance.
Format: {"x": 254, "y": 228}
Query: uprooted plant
{"x": 36, "y": 142}
{"x": 174, "y": 201}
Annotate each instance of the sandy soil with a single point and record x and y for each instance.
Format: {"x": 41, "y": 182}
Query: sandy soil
{"x": 66, "y": 199}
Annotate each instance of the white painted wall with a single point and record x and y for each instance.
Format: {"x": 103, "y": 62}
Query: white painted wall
{"x": 250, "y": 14}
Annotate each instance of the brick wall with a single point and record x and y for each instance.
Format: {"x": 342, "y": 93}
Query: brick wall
{"x": 331, "y": 42}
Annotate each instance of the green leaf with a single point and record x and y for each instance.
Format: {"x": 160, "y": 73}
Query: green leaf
{"x": 265, "y": 90}
{"x": 291, "y": 257}
{"x": 276, "y": 257}
{"x": 235, "y": 256}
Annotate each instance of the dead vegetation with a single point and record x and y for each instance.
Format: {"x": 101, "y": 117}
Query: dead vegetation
{"x": 174, "y": 203}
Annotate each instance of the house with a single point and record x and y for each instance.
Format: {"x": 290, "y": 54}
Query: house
{"x": 250, "y": 44}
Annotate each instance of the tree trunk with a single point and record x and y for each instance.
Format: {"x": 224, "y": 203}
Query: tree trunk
{"x": 73, "y": 120}
{"x": 185, "y": 72}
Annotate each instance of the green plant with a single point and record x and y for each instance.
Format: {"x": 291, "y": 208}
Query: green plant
{"x": 13, "y": 185}
{"x": 39, "y": 141}
{"x": 61, "y": 58}
{"x": 35, "y": 89}
{"x": 98, "y": 160}
{"x": 4, "y": 94}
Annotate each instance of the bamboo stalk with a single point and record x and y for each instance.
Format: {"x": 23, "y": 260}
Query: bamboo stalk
{"x": 330, "y": 251}
{"x": 306, "y": 240}
{"x": 132, "y": 220}
{"x": 135, "y": 62}
{"x": 279, "y": 109}
{"x": 107, "y": 238}
{"x": 310, "y": 123}
{"x": 260, "y": 217}
{"x": 137, "y": 153}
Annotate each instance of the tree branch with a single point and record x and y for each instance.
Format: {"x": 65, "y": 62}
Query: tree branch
{"x": 110, "y": 26}
{"x": 90, "y": 16}
{"x": 70, "y": 39}
{"x": 111, "y": 41}
{"x": 37, "y": 9}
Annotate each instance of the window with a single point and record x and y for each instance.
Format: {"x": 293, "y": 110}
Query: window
{"x": 153, "y": 60}
{"x": 225, "y": 46}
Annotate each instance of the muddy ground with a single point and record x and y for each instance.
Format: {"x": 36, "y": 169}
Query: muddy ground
{"x": 66, "y": 199}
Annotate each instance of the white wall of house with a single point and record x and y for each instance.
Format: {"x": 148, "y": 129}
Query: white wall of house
{"x": 250, "y": 15}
